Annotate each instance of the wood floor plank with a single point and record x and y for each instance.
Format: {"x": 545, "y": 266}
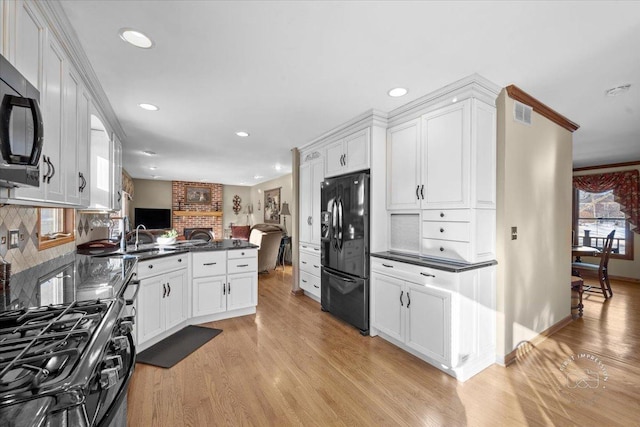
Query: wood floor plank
{"x": 292, "y": 364}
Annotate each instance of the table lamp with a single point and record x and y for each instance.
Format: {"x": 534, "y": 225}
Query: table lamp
{"x": 284, "y": 210}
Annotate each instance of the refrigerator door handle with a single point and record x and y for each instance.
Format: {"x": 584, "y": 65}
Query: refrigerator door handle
{"x": 334, "y": 224}
{"x": 340, "y": 223}
{"x": 344, "y": 279}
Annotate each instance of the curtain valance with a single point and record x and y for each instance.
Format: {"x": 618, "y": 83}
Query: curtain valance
{"x": 626, "y": 191}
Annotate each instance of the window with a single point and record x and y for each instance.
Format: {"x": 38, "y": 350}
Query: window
{"x": 597, "y": 214}
{"x": 55, "y": 227}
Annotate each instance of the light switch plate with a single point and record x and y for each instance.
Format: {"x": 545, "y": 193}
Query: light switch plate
{"x": 514, "y": 233}
{"x": 13, "y": 238}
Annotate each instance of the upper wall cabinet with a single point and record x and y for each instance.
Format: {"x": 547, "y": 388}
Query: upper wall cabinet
{"x": 26, "y": 39}
{"x": 403, "y": 166}
{"x": 311, "y": 176}
{"x": 348, "y": 154}
{"x": 116, "y": 174}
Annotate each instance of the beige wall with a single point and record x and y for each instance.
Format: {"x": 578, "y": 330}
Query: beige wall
{"x": 534, "y": 194}
{"x": 286, "y": 195}
{"x": 228, "y": 216}
{"x": 150, "y": 193}
{"x": 629, "y": 269}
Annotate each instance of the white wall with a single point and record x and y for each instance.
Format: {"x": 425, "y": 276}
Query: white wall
{"x": 534, "y": 194}
{"x": 622, "y": 268}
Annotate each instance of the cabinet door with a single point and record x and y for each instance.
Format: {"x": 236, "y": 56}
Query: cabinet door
{"x": 84, "y": 142}
{"x": 429, "y": 322}
{"x": 70, "y": 143}
{"x": 388, "y": 303}
{"x": 403, "y": 166}
{"x": 305, "y": 203}
{"x": 209, "y": 295}
{"x": 317, "y": 176}
{"x": 175, "y": 302}
{"x": 28, "y": 41}
{"x": 150, "y": 305}
{"x": 334, "y": 159}
{"x": 116, "y": 164}
{"x": 356, "y": 150}
{"x": 101, "y": 169}
{"x": 446, "y": 150}
{"x": 52, "y": 118}
{"x": 242, "y": 291}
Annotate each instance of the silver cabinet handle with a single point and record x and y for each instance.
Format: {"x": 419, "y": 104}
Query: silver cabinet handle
{"x": 303, "y": 281}
{"x": 316, "y": 286}
{"x": 427, "y": 275}
{"x": 224, "y": 289}
{"x": 164, "y": 290}
{"x": 408, "y": 299}
{"x": 169, "y": 286}
{"x": 243, "y": 265}
{"x": 417, "y": 192}
{"x": 304, "y": 262}
{"x": 210, "y": 263}
{"x": 387, "y": 265}
{"x": 401, "y": 303}
{"x": 422, "y": 195}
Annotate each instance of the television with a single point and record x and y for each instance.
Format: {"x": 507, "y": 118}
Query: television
{"x": 153, "y": 218}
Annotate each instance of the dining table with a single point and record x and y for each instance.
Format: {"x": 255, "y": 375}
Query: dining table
{"x": 580, "y": 251}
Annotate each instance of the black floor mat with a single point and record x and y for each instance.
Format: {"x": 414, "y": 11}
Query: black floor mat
{"x": 176, "y": 347}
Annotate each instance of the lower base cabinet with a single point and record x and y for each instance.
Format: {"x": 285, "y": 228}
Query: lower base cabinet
{"x": 446, "y": 319}
{"x": 161, "y": 304}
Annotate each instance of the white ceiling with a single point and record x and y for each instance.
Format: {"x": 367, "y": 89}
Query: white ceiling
{"x": 289, "y": 71}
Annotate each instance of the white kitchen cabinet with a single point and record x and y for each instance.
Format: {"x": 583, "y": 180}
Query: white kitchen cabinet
{"x": 116, "y": 173}
{"x": 348, "y": 154}
{"x": 445, "y": 318}
{"x": 26, "y": 39}
{"x": 446, "y": 138}
{"x": 311, "y": 177}
{"x": 71, "y": 141}
{"x": 441, "y": 164}
{"x": 224, "y": 281}
{"x": 403, "y": 166}
{"x": 162, "y": 301}
{"x": 310, "y": 269}
{"x": 84, "y": 145}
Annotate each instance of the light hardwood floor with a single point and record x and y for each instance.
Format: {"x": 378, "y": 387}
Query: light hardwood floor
{"x": 292, "y": 364}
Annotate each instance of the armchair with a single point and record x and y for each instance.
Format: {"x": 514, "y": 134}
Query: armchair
{"x": 267, "y": 237}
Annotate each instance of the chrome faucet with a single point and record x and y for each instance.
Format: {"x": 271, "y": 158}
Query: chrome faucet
{"x": 137, "y": 229}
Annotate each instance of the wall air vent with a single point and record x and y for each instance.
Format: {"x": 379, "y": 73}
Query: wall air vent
{"x": 522, "y": 113}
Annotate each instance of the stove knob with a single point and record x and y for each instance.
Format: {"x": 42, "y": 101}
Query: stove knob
{"x": 119, "y": 343}
{"x": 108, "y": 378}
{"x": 114, "y": 361}
{"x": 126, "y": 326}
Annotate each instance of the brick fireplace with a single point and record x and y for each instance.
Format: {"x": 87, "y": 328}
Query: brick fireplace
{"x": 195, "y": 214}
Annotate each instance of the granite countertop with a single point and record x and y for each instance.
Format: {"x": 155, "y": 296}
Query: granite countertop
{"x": 71, "y": 277}
{"x": 439, "y": 264}
{"x": 151, "y": 251}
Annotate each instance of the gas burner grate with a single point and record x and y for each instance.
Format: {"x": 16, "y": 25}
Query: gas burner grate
{"x": 41, "y": 345}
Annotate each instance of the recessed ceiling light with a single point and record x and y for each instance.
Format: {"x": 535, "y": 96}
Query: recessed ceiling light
{"x": 257, "y": 176}
{"x": 155, "y": 176}
{"x": 149, "y": 153}
{"x": 242, "y": 134}
{"x": 148, "y": 107}
{"x": 278, "y": 167}
{"x": 618, "y": 90}
{"x": 398, "y": 91}
{"x": 153, "y": 168}
{"x": 136, "y": 38}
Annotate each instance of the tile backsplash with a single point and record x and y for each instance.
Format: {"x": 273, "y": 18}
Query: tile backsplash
{"x": 26, "y": 255}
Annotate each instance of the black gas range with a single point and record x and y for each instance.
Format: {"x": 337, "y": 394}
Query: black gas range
{"x": 66, "y": 350}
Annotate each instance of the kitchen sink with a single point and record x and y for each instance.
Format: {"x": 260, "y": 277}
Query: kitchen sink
{"x": 138, "y": 253}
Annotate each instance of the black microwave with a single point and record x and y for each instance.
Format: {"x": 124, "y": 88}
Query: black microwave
{"x": 21, "y": 129}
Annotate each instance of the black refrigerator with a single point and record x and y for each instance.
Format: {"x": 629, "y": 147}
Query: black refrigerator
{"x": 345, "y": 248}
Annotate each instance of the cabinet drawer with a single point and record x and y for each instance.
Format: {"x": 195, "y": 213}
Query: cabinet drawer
{"x": 305, "y": 247}
{"x": 242, "y": 253}
{"x": 242, "y": 265}
{"x": 310, "y": 283}
{"x": 458, "y": 231}
{"x": 416, "y": 273}
{"x": 210, "y": 263}
{"x": 310, "y": 263}
{"x": 455, "y": 251}
{"x": 446, "y": 215}
{"x": 157, "y": 266}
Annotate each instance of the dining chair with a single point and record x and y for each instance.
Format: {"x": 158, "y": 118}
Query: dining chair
{"x": 200, "y": 234}
{"x": 601, "y": 269}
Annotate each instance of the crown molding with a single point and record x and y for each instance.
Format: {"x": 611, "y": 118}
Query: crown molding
{"x": 58, "y": 23}
{"x": 518, "y": 94}
{"x": 609, "y": 166}
{"x": 368, "y": 118}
